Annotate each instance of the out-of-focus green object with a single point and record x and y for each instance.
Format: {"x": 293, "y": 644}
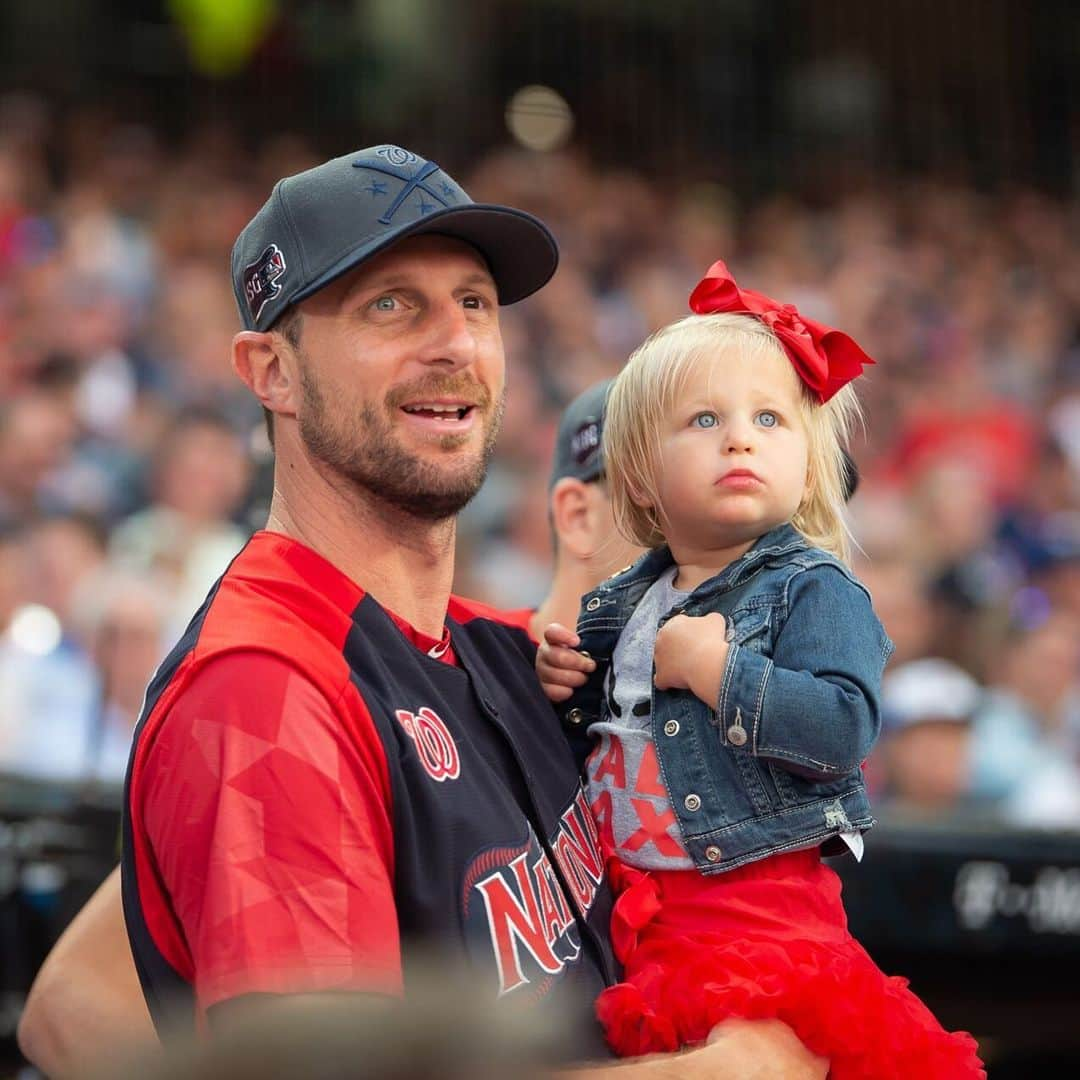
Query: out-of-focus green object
{"x": 222, "y": 34}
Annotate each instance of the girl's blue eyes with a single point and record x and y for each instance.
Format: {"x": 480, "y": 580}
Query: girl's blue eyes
{"x": 766, "y": 418}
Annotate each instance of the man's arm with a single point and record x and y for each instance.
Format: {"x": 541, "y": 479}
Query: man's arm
{"x": 86, "y": 1005}
{"x": 262, "y": 836}
{"x": 736, "y": 1050}
{"x": 86, "y": 1002}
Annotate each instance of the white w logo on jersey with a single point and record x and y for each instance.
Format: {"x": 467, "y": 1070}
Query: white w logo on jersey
{"x": 435, "y": 745}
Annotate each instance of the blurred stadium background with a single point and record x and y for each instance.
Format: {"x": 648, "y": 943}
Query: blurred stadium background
{"x": 907, "y": 170}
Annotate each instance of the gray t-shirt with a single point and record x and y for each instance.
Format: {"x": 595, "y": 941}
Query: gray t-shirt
{"x": 626, "y": 791}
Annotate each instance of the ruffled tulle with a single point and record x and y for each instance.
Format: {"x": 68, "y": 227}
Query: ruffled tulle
{"x": 700, "y": 950}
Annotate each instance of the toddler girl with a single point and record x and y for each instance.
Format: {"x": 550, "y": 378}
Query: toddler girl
{"x": 732, "y": 693}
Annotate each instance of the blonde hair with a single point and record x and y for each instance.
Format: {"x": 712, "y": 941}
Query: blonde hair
{"x": 648, "y": 388}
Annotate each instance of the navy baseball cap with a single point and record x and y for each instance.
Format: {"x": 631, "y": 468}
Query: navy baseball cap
{"x": 320, "y": 223}
{"x": 579, "y": 448}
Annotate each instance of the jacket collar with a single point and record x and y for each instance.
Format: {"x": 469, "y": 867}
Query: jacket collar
{"x": 781, "y": 540}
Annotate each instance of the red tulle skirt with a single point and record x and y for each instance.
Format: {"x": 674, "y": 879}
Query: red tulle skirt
{"x": 768, "y": 940}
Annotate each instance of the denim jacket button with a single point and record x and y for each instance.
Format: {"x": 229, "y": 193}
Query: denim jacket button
{"x": 692, "y": 802}
{"x": 736, "y": 735}
{"x": 712, "y": 853}
{"x": 593, "y": 604}
{"x": 575, "y": 716}
{"x": 671, "y": 727}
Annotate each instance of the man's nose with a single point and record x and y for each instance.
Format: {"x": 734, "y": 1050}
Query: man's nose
{"x": 451, "y": 341}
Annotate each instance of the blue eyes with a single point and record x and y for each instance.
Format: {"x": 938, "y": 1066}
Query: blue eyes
{"x": 766, "y": 419}
{"x": 390, "y": 303}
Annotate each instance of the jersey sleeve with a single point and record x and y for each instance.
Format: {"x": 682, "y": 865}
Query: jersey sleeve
{"x": 269, "y": 813}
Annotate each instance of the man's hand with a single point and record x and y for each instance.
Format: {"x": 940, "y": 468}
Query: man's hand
{"x": 690, "y": 654}
{"x": 559, "y": 666}
{"x": 761, "y": 1050}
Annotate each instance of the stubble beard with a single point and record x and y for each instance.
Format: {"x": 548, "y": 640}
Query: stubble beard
{"x": 365, "y": 452}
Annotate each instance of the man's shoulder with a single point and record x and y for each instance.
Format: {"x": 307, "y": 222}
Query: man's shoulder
{"x": 248, "y": 666}
{"x": 465, "y": 611}
{"x": 261, "y": 615}
{"x": 272, "y": 601}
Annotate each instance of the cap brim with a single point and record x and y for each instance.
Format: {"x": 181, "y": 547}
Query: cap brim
{"x": 518, "y": 247}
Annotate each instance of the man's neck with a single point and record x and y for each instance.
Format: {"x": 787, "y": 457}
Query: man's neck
{"x": 404, "y": 562}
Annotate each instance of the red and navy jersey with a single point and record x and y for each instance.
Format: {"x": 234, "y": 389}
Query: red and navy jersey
{"x": 318, "y": 796}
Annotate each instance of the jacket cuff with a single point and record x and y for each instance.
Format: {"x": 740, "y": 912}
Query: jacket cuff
{"x": 742, "y": 694}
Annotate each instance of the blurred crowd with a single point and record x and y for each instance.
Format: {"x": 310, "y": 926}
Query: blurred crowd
{"x": 133, "y": 464}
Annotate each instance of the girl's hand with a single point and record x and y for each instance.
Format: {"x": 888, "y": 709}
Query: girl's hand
{"x": 690, "y": 655}
{"x": 559, "y": 666}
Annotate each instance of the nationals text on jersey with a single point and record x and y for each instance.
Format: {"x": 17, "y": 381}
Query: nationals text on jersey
{"x": 531, "y": 927}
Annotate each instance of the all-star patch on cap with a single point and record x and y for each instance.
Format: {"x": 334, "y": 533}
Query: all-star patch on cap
{"x": 319, "y": 224}
{"x": 579, "y": 448}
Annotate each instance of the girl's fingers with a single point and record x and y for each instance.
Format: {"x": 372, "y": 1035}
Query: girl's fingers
{"x": 558, "y": 656}
{"x": 557, "y": 634}
{"x": 560, "y": 676}
{"x": 557, "y": 693}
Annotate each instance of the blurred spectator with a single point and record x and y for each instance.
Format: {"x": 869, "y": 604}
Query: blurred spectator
{"x": 927, "y": 710}
{"x": 1027, "y": 753}
{"x": 50, "y": 683}
{"x": 513, "y": 566}
{"x": 36, "y": 436}
{"x": 186, "y": 535}
{"x": 195, "y": 320}
{"x": 94, "y": 323}
{"x": 903, "y": 604}
{"x": 81, "y": 642}
{"x": 120, "y": 619}
{"x": 61, "y": 552}
{"x": 1010, "y": 752}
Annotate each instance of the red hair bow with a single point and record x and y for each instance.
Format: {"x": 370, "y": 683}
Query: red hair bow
{"x": 825, "y": 359}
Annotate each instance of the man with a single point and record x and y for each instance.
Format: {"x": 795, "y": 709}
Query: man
{"x": 88, "y": 994}
{"x": 340, "y": 759}
{"x": 587, "y": 548}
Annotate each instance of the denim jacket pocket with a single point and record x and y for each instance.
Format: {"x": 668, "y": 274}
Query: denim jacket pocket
{"x": 787, "y": 790}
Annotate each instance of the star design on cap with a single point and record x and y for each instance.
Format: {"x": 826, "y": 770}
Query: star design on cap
{"x": 417, "y": 182}
{"x": 446, "y": 188}
{"x": 376, "y": 188}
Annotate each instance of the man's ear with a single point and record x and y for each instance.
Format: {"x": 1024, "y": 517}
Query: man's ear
{"x": 570, "y": 516}
{"x": 268, "y": 372}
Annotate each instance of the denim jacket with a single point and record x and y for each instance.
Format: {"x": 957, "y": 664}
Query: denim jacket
{"x": 776, "y": 764}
